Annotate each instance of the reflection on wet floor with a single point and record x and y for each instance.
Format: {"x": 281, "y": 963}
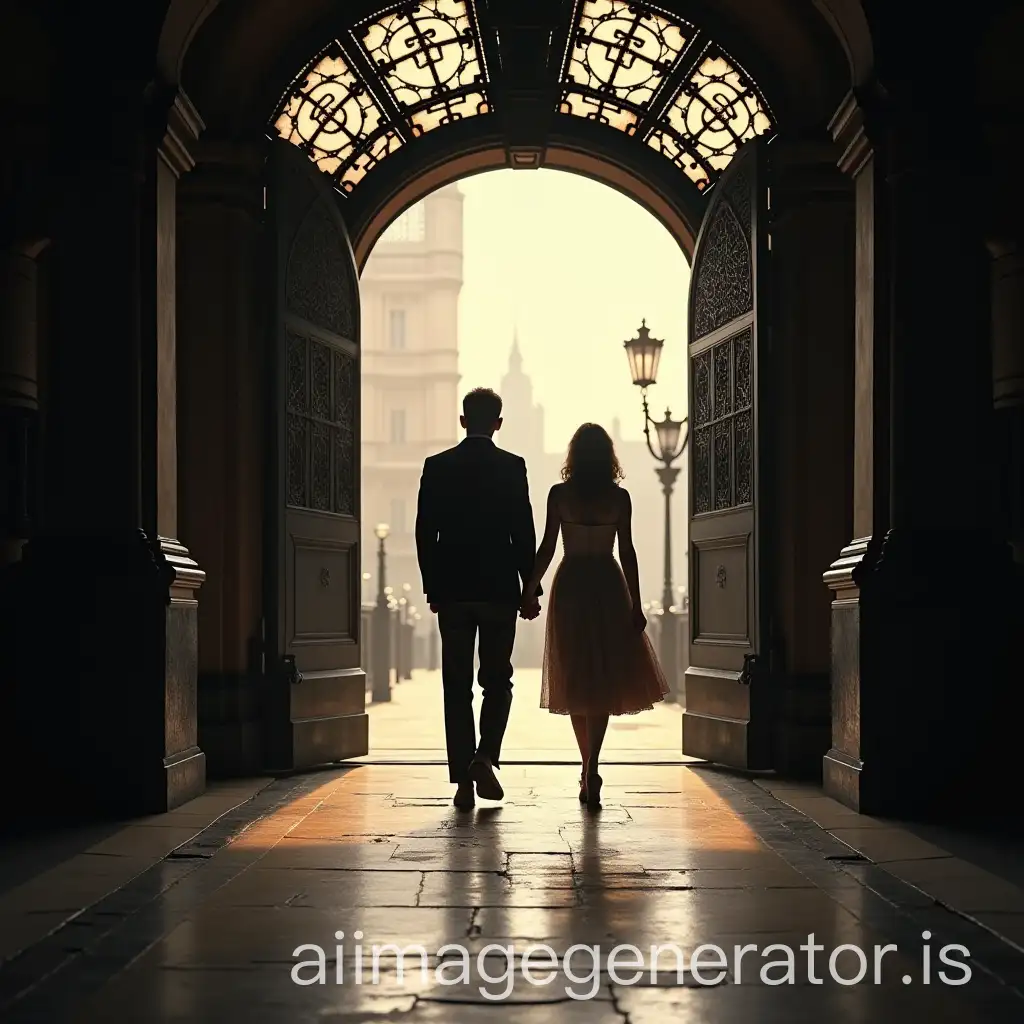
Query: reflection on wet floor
{"x": 528, "y": 911}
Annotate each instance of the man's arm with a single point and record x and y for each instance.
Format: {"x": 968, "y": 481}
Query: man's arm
{"x": 426, "y": 531}
{"x": 524, "y": 533}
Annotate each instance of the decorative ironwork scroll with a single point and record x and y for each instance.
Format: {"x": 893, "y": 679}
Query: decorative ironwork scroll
{"x": 717, "y": 109}
{"x": 418, "y": 65}
{"x": 332, "y": 117}
{"x": 344, "y": 425}
{"x": 320, "y": 444}
{"x": 723, "y": 439}
{"x": 319, "y": 285}
{"x": 428, "y": 56}
{"x": 427, "y": 60}
{"x": 619, "y": 56}
{"x": 298, "y": 422}
{"x": 723, "y": 288}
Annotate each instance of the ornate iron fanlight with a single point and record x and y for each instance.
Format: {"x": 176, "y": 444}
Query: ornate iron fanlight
{"x": 422, "y": 67}
{"x": 414, "y": 67}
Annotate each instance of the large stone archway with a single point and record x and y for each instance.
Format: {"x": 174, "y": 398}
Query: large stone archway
{"x": 163, "y": 172}
{"x": 640, "y": 99}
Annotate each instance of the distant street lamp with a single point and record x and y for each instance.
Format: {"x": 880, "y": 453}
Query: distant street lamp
{"x": 381, "y": 661}
{"x": 410, "y": 652}
{"x": 644, "y": 355}
{"x": 401, "y": 669}
{"x": 408, "y": 628}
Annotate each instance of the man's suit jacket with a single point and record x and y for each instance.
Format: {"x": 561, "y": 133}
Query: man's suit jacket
{"x": 475, "y": 537}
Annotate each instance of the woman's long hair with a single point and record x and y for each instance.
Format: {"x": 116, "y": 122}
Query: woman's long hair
{"x": 591, "y": 465}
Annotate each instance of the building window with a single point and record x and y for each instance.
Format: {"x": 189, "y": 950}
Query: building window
{"x": 407, "y": 227}
{"x": 398, "y": 515}
{"x": 396, "y": 331}
{"x": 398, "y": 426}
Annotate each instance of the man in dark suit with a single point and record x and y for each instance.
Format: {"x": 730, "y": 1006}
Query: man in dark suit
{"x": 476, "y": 544}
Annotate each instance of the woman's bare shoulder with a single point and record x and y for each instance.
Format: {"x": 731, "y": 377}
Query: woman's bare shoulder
{"x": 555, "y": 497}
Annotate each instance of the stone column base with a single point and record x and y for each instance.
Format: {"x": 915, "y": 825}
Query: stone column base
{"x": 922, "y": 674}
{"x": 104, "y": 670}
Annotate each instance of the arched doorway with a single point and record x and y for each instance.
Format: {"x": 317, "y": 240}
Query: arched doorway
{"x": 408, "y": 98}
{"x": 528, "y": 283}
{"x": 171, "y": 153}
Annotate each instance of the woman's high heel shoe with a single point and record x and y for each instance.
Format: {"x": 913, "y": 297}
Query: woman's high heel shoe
{"x": 594, "y": 783}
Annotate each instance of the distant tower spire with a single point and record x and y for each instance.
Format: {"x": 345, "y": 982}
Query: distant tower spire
{"x": 515, "y": 359}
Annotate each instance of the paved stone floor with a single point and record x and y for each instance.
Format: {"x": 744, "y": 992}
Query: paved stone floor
{"x": 414, "y": 721}
{"x": 679, "y": 857}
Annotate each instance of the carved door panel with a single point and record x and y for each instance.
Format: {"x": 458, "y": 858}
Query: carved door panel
{"x": 728, "y": 707}
{"x": 316, "y": 690}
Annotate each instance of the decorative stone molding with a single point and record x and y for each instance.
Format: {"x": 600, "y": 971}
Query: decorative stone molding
{"x": 227, "y": 174}
{"x": 183, "y": 573}
{"x": 849, "y": 128}
{"x": 841, "y": 574}
{"x": 184, "y": 126}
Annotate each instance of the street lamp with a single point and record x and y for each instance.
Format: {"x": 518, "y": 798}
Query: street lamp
{"x": 413, "y": 617}
{"x": 644, "y": 355}
{"x": 407, "y": 631}
{"x": 381, "y": 662}
{"x": 403, "y": 620}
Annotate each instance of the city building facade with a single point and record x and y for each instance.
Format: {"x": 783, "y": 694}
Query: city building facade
{"x": 409, "y": 293}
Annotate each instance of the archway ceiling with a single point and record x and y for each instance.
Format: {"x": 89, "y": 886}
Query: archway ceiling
{"x": 410, "y": 69}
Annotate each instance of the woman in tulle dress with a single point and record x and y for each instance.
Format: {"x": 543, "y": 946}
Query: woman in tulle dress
{"x": 598, "y": 660}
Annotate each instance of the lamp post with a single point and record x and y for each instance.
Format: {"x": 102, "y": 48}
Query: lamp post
{"x": 395, "y": 634}
{"x": 417, "y": 642}
{"x": 381, "y": 670}
{"x": 644, "y": 355}
{"x": 403, "y": 619}
{"x": 407, "y": 628}
{"x": 412, "y": 617}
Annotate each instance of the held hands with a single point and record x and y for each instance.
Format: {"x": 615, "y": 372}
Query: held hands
{"x": 530, "y": 608}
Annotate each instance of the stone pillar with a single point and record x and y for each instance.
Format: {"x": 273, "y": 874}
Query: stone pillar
{"x": 109, "y": 647}
{"x": 160, "y": 434}
{"x": 853, "y": 127}
{"x": 221, "y": 427}
{"x": 19, "y": 400}
{"x": 917, "y": 640}
{"x": 810, "y": 452}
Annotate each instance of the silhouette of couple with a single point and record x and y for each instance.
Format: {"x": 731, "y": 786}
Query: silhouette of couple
{"x": 476, "y": 544}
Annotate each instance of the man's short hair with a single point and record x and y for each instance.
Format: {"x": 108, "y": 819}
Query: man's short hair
{"x": 482, "y": 408}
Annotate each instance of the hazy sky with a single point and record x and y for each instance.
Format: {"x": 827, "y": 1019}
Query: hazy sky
{"x": 577, "y": 266}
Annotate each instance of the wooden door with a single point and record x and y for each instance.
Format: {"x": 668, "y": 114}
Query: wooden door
{"x": 728, "y": 700}
{"x": 315, "y": 708}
